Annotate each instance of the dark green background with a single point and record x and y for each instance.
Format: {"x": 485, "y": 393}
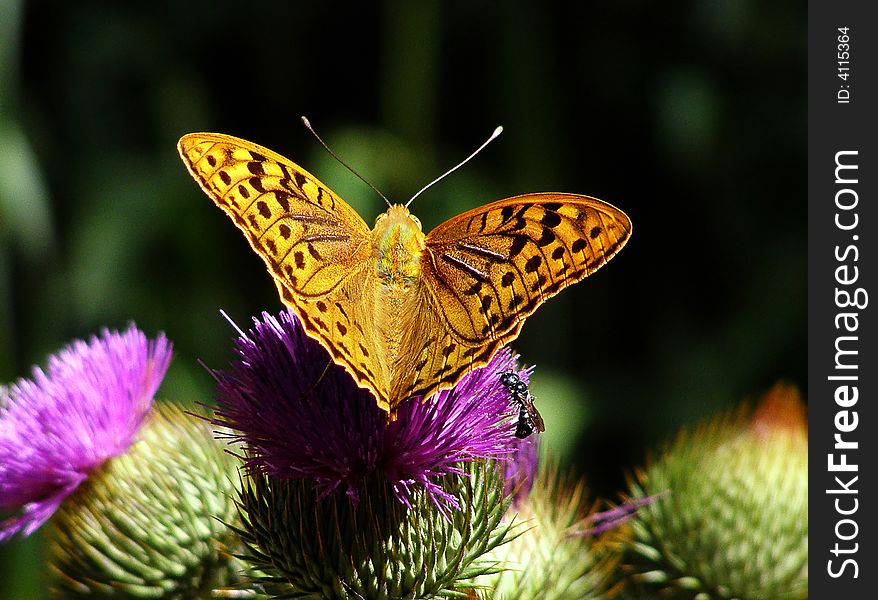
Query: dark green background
{"x": 690, "y": 116}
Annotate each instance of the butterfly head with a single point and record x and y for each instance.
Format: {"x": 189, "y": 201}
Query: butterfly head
{"x": 399, "y": 242}
{"x": 397, "y": 216}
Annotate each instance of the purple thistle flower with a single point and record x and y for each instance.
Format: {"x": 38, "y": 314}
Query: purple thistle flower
{"x": 68, "y": 420}
{"x": 302, "y": 416}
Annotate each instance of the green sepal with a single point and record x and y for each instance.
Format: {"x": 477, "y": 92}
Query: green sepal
{"x": 334, "y": 547}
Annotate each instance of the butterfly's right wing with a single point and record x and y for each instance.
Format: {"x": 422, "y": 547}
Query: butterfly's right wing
{"x": 314, "y": 244}
{"x": 309, "y": 238}
{"x": 486, "y": 270}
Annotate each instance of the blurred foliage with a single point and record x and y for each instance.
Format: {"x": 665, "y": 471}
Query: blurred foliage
{"x": 690, "y": 116}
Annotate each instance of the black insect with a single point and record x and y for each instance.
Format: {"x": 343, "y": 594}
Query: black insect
{"x": 529, "y": 419}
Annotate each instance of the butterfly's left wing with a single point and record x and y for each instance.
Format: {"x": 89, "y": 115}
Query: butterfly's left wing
{"x": 314, "y": 244}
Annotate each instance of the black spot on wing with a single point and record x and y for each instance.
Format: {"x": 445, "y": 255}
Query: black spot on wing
{"x": 546, "y": 238}
{"x": 539, "y": 283}
{"x": 256, "y": 184}
{"x": 533, "y": 263}
{"x": 283, "y": 198}
{"x": 551, "y": 219}
{"x": 484, "y": 222}
{"x": 341, "y": 309}
{"x": 518, "y": 244}
{"x": 300, "y": 180}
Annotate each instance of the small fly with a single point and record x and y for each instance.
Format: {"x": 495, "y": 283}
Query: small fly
{"x": 529, "y": 419}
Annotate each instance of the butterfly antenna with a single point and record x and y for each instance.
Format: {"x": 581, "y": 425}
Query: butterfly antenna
{"x": 336, "y": 157}
{"x": 232, "y": 323}
{"x": 497, "y": 132}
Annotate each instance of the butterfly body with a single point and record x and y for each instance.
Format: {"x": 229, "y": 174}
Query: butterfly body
{"x": 406, "y": 314}
{"x": 399, "y": 243}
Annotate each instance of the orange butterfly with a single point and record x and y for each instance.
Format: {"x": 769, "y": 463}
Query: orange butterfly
{"x": 406, "y": 314}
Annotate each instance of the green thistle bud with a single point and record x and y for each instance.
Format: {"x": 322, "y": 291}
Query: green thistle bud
{"x": 735, "y": 521}
{"x": 149, "y": 523}
{"x": 377, "y": 547}
{"x": 548, "y": 557}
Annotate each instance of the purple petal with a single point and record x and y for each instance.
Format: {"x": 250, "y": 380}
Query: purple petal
{"x": 605, "y": 520}
{"x": 84, "y": 409}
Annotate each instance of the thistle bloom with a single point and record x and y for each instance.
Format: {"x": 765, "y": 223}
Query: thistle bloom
{"x": 66, "y": 421}
{"x": 301, "y": 416}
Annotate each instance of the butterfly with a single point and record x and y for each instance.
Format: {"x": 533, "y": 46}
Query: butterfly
{"x": 529, "y": 418}
{"x": 406, "y": 314}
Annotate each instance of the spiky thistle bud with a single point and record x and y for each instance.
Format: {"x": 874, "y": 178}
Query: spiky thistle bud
{"x": 548, "y": 556}
{"x": 734, "y": 523}
{"x": 151, "y": 522}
